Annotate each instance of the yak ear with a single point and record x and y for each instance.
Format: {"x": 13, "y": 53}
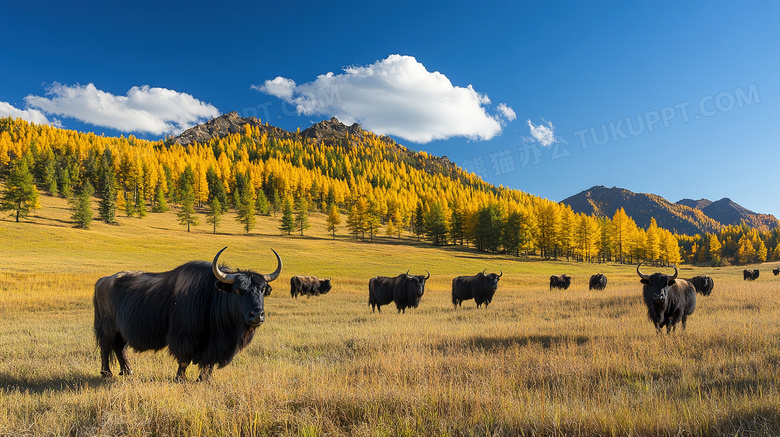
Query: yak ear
{"x": 223, "y": 287}
{"x": 644, "y": 281}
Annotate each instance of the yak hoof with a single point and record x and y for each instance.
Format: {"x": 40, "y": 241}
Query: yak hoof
{"x": 126, "y": 372}
{"x": 106, "y": 373}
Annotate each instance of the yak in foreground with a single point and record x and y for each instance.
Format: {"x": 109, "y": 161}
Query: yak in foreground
{"x": 669, "y": 300}
{"x": 309, "y": 286}
{"x": 405, "y": 290}
{"x": 597, "y": 282}
{"x": 204, "y": 314}
{"x": 703, "y": 284}
{"x": 560, "y": 281}
{"x": 750, "y": 275}
{"x": 480, "y": 287}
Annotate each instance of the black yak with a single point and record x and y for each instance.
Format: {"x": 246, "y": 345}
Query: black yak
{"x": 703, "y": 284}
{"x": 405, "y": 290}
{"x": 776, "y": 271}
{"x": 560, "y": 281}
{"x": 597, "y": 282}
{"x": 750, "y": 275}
{"x": 203, "y": 313}
{"x": 669, "y": 300}
{"x": 480, "y": 287}
{"x": 309, "y": 286}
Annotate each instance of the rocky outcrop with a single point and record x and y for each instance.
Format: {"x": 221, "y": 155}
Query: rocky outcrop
{"x": 223, "y": 126}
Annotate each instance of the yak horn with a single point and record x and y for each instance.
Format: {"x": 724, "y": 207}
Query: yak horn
{"x": 483, "y": 272}
{"x": 275, "y": 274}
{"x": 502, "y": 273}
{"x": 640, "y": 273}
{"x": 223, "y": 277}
{"x": 429, "y": 275}
{"x": 675, "y": 272}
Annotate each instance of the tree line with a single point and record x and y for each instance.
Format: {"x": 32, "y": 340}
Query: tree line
{"x": 383, "y": 189}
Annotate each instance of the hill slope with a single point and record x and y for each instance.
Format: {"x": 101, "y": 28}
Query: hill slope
{"x": 603, "y": 201}
{"x": 687, "y": 216}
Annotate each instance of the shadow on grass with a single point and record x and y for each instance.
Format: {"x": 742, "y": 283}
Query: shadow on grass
{"x": 57, "y": 384}
{"x": 520, "y": 341}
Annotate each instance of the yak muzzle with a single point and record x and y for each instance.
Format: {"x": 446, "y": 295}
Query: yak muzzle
{"x": 255, "y": 318}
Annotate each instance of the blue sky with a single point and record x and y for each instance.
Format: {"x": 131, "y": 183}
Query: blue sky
{"x": 680, "y": 99}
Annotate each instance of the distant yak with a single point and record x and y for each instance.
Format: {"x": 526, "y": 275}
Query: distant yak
{"x": 703, "y": 284}
{"x": 560, "y": 281}
{"x": 203, "y": 313}
{"x": 308, "y": 286}
{"x": 480, "y": 287}
{"x": 405, "y": 290}
{"x": 750, "y": 275}
{"x": 597, "y": 282}
{"x": 776, "y": 271}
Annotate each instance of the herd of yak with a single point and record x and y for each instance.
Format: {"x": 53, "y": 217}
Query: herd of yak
{"x": 205, "y": 313}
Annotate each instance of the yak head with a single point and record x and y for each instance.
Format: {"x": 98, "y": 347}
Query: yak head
{"x": 248, "y": 289}
{"x": 324, "y": 286}
{"x": 657, "y": 285}
{"x": 417, "y": 282}
{"x": 492, "y": 279}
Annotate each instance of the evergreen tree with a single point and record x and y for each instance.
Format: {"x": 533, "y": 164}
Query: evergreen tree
{"x": 262, "y": 206}
{"x": 214, "y": 213}
{"x": 160, "y": 205}
{"x": 50, "y": 172}
{"x": 372, "y": 219}
{"x": 436, "y": 225}
{"x": 186, "y": 212}
{"x": 107, "y": 205}
{"x": 511, "y": 234}
{"x": 334, "y": 219}
{"x": 20, "y": 194}
{"x": 288, "y": 219}
{"x": 245, "y": 209}
{"x": 419, "y": 220}
{"x": 129, "y": 204}
{"x": 81, "y": 206}
{"x": 140, "y": 206}
{"x": 302, "y": 214}
{"x": 456, "y": 226}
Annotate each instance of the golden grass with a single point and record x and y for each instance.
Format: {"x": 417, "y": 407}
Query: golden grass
{"x": 535, "y": 362}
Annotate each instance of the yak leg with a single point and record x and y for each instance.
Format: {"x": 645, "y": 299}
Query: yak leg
{"x": 684, "y": 320}
{"x": 105, "y": 355}
{"x": 120, "y": 349}
{"x": 205, "y": 372}
{"x": 181, "y": 373}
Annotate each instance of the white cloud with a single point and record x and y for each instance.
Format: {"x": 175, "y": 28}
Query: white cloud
{"x": 31, "y": 115}
{"x": 544, "y": 134}
{"x": 395, "y": 96}
{"x": 506, "y": 111}
{"x": 144, "y": 109}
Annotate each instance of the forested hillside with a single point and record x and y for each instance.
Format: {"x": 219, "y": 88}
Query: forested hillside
{"x": 384, "y": 189}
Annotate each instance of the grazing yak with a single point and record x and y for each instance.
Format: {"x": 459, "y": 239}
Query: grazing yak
{"x": 560, "y": 281}
{"x": 597, "y": 282}
{"x": 480, "y": 287}
{"x": 309, "y": 286}
{"x": 703, "y": 284}
{"x": 776, "y": 271}
{"x": 669, "y": 300}
{"x": 405, "y": 290}
{"x": 203, "y": 313}
{"x": 750, "y": 275}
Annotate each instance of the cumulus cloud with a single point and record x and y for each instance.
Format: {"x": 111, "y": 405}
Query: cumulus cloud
{"x": 544, "y": 134}
{"x": 31, "y": 115}
{"x": 144, "y": 109}
{"x": 395, "y": 96}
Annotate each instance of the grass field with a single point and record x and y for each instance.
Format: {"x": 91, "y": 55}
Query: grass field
{"x": 535, "y": 362}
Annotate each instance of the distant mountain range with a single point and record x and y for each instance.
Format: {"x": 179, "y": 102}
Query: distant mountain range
{"x": 687, "y": 216}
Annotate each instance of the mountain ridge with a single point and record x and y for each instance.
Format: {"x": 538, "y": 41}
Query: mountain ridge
{"x": 686, "y": 216}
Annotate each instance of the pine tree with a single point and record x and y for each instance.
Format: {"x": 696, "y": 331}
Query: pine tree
{"x": 436, "y": 225}
{"x": 288, "y": 219}
{"x": 334, "y": 219}
{"x": 262, "y": 206}
{"x": 419, "y": 220}
{"x": 245, "y": 209}
{"x": 214, "y": 213}
{"x": 140, "y": 206}
{"x": 20, "y": 194}
{"x": 302, "y": 215}
{"x": 372, "y": 219}
{"x": 186, "y": 212}
{"x": 81, "y": 206}
{"x": 456, "y": 226}
{"x": 160, "y": 205}
{"x": 107, "y": 205}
